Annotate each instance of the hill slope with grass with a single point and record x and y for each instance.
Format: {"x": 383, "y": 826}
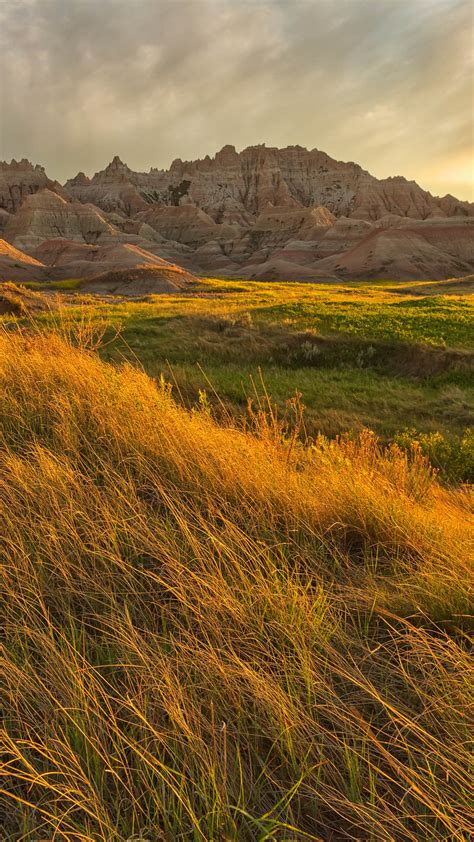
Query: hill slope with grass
{"x": 212, "y": 635}
{"x": 396, "y": 360}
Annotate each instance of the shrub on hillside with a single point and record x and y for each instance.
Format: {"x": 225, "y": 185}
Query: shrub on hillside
{"x": 452, "y": 455}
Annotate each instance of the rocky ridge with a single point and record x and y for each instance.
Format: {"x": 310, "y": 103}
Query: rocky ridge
{"x": 267, "y": 213}
{"x": 236, "y": 186}
{"x": 19, "y": 179}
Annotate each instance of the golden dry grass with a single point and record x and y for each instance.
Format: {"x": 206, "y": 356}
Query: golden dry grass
{"x": 213, "y": 635}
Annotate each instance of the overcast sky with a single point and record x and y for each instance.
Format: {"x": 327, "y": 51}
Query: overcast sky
{"x": 386, "y": 83}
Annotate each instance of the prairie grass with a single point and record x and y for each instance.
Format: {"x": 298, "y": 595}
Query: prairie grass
{"x": 213, "y": 634}
{"x": 361, "y": 356}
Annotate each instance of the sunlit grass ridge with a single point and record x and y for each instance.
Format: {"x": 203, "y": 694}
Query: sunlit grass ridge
{"x": 212, "y": 635}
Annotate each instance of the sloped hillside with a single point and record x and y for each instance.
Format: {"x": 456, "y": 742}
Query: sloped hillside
{"x": 213, "y": 635}
{"x": 15, "y": 265}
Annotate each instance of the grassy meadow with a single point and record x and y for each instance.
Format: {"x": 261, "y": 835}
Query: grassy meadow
{"x": 217, "y": 624}
{"x": 382, "y": 356}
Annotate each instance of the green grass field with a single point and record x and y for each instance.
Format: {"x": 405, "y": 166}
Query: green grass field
{"x": 359, "y": 356}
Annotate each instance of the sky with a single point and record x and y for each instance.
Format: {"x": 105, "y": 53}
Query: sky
{"x": 385, "y": 83}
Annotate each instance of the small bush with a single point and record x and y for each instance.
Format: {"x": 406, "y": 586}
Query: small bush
{"x": 452, "y": 455}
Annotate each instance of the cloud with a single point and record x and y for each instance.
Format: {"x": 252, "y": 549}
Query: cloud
{"x": 387, "y": 83}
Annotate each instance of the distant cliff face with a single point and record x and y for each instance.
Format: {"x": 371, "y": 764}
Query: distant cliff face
{"x": 237, "y": 186}
{"x": 261, "y": 213}
{"x": 19, "y": 179}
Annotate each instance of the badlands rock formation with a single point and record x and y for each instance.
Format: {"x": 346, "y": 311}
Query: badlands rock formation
{"x": 16, "y": 266}
{"x": 113, "y": 189}
{"x": 19, "y": 179}
{"x": 407, "y": 252}
{"x": 143, "y": 280}
{"x": 119, "y": 268}
{"x": 187, "y": 224}
{"x": 236, "y": 187}
{"x": 261, "y": 213}
{"x": 67, "y": 258}
{"x": 45, "y": 215}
